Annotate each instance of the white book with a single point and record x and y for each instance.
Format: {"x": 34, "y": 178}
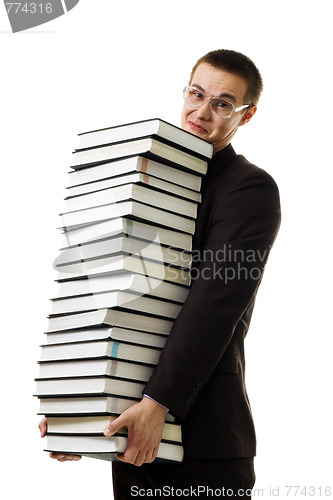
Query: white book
{"x": 100, "y": 444}
{"x": 115, "y": 333}
{"x": 143, "y": 194}
{"x": 96, "y": 425}
{"x": 148, "y": 147}
{"x": 121, "y": 225}
{"x": 137, "y": 283}
{"x": 89, "y": 386}
{"x": 97, "y": 367}
{"x": 117, "y": 299}
{"x": 109, "y": 348}
{"x": 85, "y": 405}
{"x": 119, "y": 263}
{"x": 119, "y": 168}
{"x": 124, "y": 245}
{"x": 135, "y": 209}
{"x": 151, "y": 127}
{"x": 113, "y": 317}
{"x": 137, "y": 178}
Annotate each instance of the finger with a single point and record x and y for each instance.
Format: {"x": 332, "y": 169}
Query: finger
{"x": 64, "y": 457}
{"x": 129, "y": 456}
{"x": 150, "y": 457}
{"x": 135, "y": 455}
{"x": 56, "y": 456}
{"x": 114, "y": 426}
{"x": 73, "y": 458}
{"x": 140, "y": 459}
{"x": 43, "y": 427}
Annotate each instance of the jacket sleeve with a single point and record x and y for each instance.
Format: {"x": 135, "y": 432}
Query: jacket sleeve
{"x": 243, "y": 226}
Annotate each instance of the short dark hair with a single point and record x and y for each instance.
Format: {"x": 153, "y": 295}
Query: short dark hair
{"x": 239, "y": 64}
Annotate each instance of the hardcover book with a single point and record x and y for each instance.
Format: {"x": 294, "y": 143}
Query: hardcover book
{"x": 118, "y": 169}
{"x": 154, "y": 127}
{"x": 123, "y": 276}
{"x": 149, "y": 148}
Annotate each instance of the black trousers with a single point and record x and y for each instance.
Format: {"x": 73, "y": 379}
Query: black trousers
{"x": 204, "y": 479}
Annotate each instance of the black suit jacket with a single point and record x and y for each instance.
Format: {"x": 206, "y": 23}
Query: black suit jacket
{"x": 200, "y": 374}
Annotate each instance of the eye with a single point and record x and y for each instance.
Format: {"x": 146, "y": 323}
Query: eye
{"x": 222, "y": 104}
{"x": 196, "y": 94}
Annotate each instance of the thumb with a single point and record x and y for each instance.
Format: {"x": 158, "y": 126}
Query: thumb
{"x": 115, "y": 425}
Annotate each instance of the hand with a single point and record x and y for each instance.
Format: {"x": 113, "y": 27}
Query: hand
{"x": 58, "y": 456}
{"x": 145, "y": 424}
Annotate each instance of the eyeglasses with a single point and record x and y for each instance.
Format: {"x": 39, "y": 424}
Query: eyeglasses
{"x": 219, "y": 106}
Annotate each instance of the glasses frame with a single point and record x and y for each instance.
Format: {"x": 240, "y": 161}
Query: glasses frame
{"x": 210, "y": 99}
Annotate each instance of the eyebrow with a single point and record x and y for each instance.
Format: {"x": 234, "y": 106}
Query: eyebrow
{"x": 224, "y": 95}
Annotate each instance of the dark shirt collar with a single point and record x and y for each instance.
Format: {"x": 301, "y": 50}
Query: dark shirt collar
{"x": 219, "y": 163}
{"x": 223, "y": 158}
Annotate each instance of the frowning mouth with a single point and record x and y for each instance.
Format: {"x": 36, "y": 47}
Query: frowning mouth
{"x": 197, "y": 128}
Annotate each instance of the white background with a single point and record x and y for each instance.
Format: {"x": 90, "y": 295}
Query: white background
{"x": 106, "y": 63}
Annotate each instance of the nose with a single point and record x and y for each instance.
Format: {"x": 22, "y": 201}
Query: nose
{"x": 204, "y": 111}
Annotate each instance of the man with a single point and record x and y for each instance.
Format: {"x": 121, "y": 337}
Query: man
{"x": 200, "y": 375}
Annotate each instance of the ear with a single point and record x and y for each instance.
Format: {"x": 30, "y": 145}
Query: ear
{"x": 249, "y": 113}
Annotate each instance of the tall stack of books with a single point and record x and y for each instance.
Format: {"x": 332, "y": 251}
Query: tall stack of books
{"x": 123, "y": 275}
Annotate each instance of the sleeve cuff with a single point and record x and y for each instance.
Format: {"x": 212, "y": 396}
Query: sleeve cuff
{"x": 165, "y": 408}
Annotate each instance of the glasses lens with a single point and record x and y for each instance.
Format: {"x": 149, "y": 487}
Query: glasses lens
{"x": 221, "y": 107}
{"x": 194, "y": 97}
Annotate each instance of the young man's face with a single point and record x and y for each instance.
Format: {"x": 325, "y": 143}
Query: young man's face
{"x": 201, "y": 121}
